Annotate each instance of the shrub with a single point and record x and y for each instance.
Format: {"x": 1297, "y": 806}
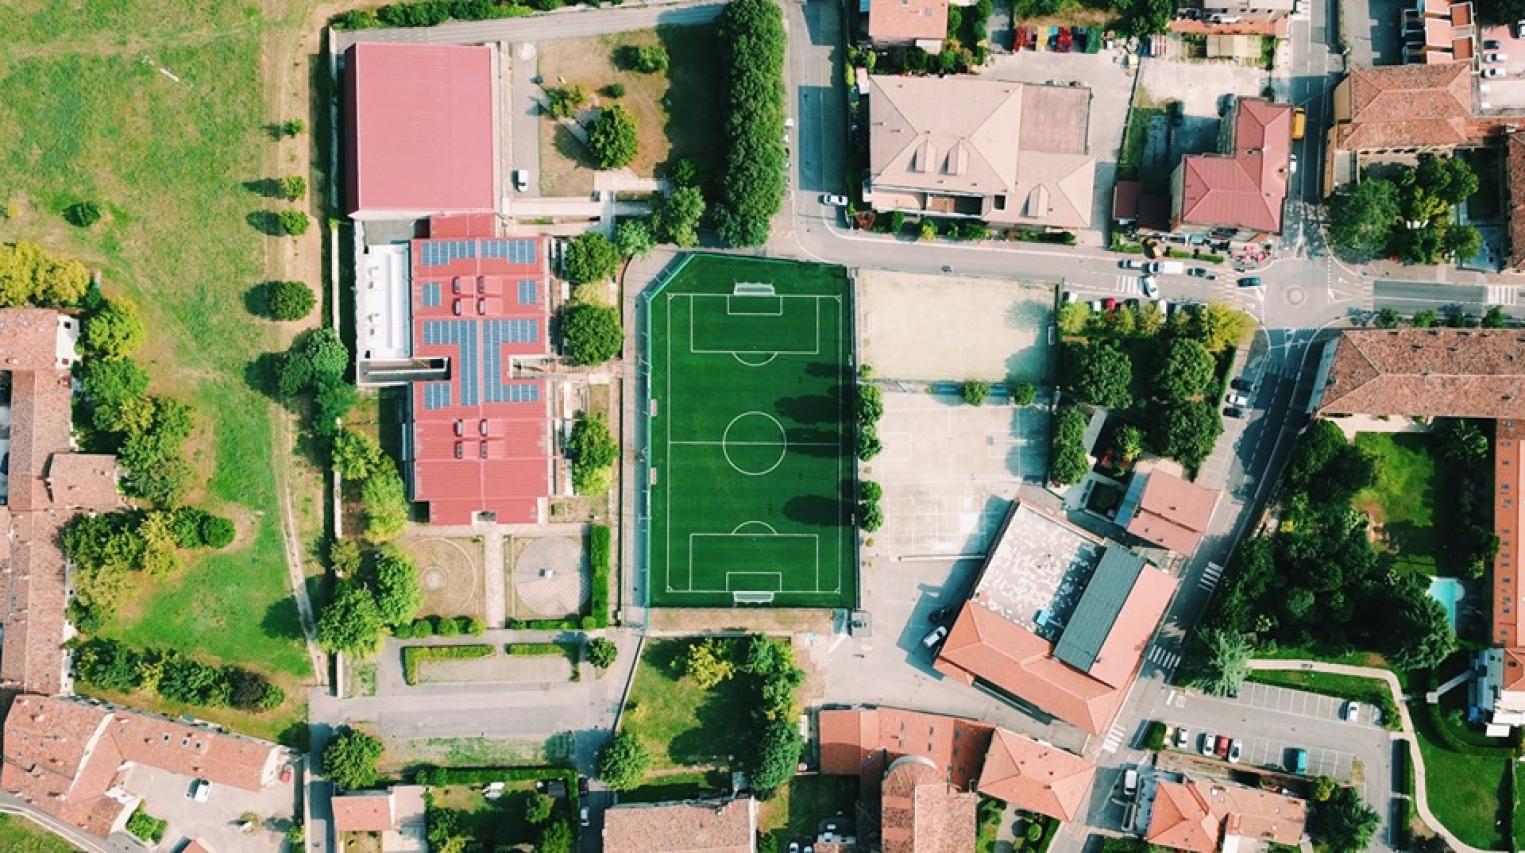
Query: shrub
{"x": 974, "y": 392}
{"x": 599, "y": 553}
{"x": 146, "y": 827}
{"x": 289, "y": 300}
{"x": 83, "y": 214}
{"x": 217, "y": 532}
{"x": 1067, "y": 456}
{"x": 602, "y": 652}
{"x": 1024, "y": 394}
{"x": 1154, "y": 737}
{"x": 565, "y": 101}
{"x": 614, "y": 90}
{"x": 291, "y": 187}
{"x": 292, "y": 222}
{"x": 593, "y": 452}
{"x": 446, "y": 626}
{"x": 414, "y": 656}
{"x": 647, "y": 59}
{"x": 423, "y": 627}
{"x": 293, "y": 127}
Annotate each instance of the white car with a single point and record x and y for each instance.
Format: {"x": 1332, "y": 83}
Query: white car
{"x": 521, "y": 179}
{"x": 1292, "y": 164}
{"x": 1235, "y": 750}
{"x": 1492, "y": 73}
{"x": 937, "y": 635}
{"x": 832, "y": 200}
{"x": 1238, "y": 400}
{"x": 1495, "y": 57}
{"x": 1351, "y": 712}
{"x": 1151, "y": 289}
{"x": 1183, "y": 737}
{"x": 1209, "y": 740}
{"x": 200, "y": 790}
{"x": 1130, "y": 782}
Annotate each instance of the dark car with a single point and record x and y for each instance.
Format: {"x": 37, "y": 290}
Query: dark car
{"x": 1249, "y": 281}
{"x": 940, "y": 615}
{"x": 1234, "y": 412}
{"x": 582, "y": 786}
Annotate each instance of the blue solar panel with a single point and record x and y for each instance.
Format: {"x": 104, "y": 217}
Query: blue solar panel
{"x": 529, "y": 292}
{"x": 517, "y": 251}
{"x": 437, "y": 253}
{"x": 436, "y": 395}
{"x": 431, "y": 294}
{"x": 461, "y": 334}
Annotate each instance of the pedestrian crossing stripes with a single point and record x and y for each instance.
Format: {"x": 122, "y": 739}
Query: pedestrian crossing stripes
{"x": 1126, "y": 284}
{"x": 1210, "y": 576}
{"x": 1163, "y": 659}
{"x": 1114, "y": 738}
{"x": 1503, "y": 294}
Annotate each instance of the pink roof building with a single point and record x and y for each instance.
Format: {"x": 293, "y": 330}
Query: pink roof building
{"x": 1246, "y": 188}
{"x": 479, "y": 438}
{"x": 420, "y": 130}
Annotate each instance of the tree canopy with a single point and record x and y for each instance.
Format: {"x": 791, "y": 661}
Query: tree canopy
{"x": 593, "y": 452}
{"x": 1187, "y": 371}
{"x": 612, "y": 137}
{"x": 593, "y": 333}
{"x": 349, "y": 760}
{"x": 622, "y": 763}
{"x": 675, "y": 216}
{"x": 1344, "y": 822}
{"x": 393, "y": 580}
{"x": 1361, "y": 215}
{"x": 289, "y": 300}
{"x": 1187, "y": 431}
{"x": 115, "y": 331}
{"x": 752, "y": 32}
{"x": 316, "y": 359}
{"x": 29, "y": 275}
{"x": 591, "y": 257}
{"x": 1100, "y": 374}
{"x": 633, "y": 238}
{"x": 351, "y": 623}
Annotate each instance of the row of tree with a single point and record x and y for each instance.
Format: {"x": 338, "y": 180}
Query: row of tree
{"x": 375, "y": 590}
{"x": 1408, "y": 212}
{"x": 109, "y": 550}
{"x": 869, "y": 408}
{"x": 754, "y": 185}
{"x": 114, "y": 666}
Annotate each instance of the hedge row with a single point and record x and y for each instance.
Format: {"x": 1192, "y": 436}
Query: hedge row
{"x": 1067, "y": 455}
{"x": 444, "y": 626}
{"x": 568, "y": 649}
{"x": 599, "y": 557}
{"x": 414, "y": 656}
{"x": 111, "y": 665}
{"x": 752, "y": 32}
{"x": 1454, "y": 742}
{"x": 429, "y": 13}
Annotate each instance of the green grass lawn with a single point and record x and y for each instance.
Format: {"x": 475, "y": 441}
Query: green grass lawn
{"x": 796, "y": 811}
{"x": 83, "y": 115}
{"x": 495, "y": 824}
{"x": 1402, "y": 502}
{"x": 19, "y": 835}
{"x": 1468, "y": 793}
{"x": 680, "y": 724}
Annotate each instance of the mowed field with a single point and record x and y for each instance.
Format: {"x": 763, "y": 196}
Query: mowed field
{"x": 154, "y": 109}
{"x": 751, "y": 440}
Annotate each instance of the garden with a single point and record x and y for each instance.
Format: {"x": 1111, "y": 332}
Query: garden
{"x": 1407, "y": 213}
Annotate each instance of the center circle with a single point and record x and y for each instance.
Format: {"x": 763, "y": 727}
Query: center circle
{"x": 754, "y": 443}
{"x": 1295, "y": 296}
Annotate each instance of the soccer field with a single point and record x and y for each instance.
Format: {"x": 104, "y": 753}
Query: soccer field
{"x": 750, "y": 442}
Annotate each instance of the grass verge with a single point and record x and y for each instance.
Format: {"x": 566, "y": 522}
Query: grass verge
{"x": 19, "y": 835}
{"x": 679, "y": 723}
{"x": 1368, "y": 691}
{"x": 1468, "y": 793}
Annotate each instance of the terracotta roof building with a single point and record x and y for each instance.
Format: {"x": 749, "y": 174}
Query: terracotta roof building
{"x": 1057, "y": 620}
{"x": 864, "y": 742}
{"x": 923, "y": 23}
{"x": 1007, "y": 153}
{"x": 695, "y": 826}
{"x": 1468, "y": 373}
{"x": 1200, "y": 816}
{"x": 420, "y": 130}
{"x": 1245, "y": 188}
{"x": 1500, "y": 688}
{"x": 920, "y": 812}
{"x": 65, "y": 757}
{"x": 1162, "y": 508}
{"x": 1403, "y": 107}
{"x": 1035, "y": 776}
{"x": 366, "y": 811}
{"x": 1514, "y": 152}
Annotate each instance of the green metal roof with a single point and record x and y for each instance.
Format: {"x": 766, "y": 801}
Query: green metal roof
{"x": 1103, "y": 599}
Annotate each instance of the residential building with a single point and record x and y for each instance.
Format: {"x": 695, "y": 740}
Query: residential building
{"x": 1204, "y": 817}
{"x": 1439, "y": 31}
{"x": 921, "y": 812}
{"x": 1011, "y": 154}
{"x": 67, "y": 757}
{"x": 1465, "y": 373}
{"x": 1499, "y": 688}
{"x": 1036, "y": 777}
{"x": 1058, "y": 622}
{"x": 693, "y": 826}
{"x": 1514, "y": 184}
{"x": 397, "y": 814}
{"x": 1165, "y": 509}
{"x": 1234, "y": 11}
{"x": 908, "y": 23}
{"x": 45, "y": 485}
{"x": 1241, "y": 193}
{"x": 1396, "y": 111}
{"x": 421, "y": 130}
{"x": 461, "y": 316}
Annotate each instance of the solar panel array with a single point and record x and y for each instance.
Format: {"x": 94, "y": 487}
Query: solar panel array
{"x": 436, "y": 395}
{"x": 430, "y": 294}
{"x": 529, "y": 292}
{"x": 498, "y": 333}
{"x": 437, "y": 253}
{"x": 519, "y": 251}
{"x": 463, "y": 335}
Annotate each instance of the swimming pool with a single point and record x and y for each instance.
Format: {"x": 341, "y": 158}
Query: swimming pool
{"x": 1447, "y": 591}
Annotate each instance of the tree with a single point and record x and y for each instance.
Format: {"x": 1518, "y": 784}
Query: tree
{"x": 1495, "y": 318}
{"x": 1461, "y": 441}
{"x": 593, "y": 333}
{"x": 289, "y": 300}
{"x": 108, "y": 383}
{"x": 1218, "y": 326}
{"x": 868, "y": 445}
{"x": 1024, "y": 394}
{"x": 1361, "y": 217}
{"x": 115, "y": 331}
{"x": 926, "y": 232}
{"x": 1100, "y": 374}
{"x": 537, "y": 808}
{"x": 593, "y": 452}
{"x": 1449, "y": 179}
{"x": 556, "y": 837}
{"x": 1227, "y": 662}
{"x": 777, "y": 755}
{"x": 1425, "y": 318}
{"x": 612, "y": 137}
{"x": 1387, "y": 318}
{"x": 1187, "y": 372}
{"x": 1068, "y": 462}
{"x": 29, "y": 275}
{"x": 1073, "y": 317}
{"x": 614, "y": 90}
{"x": 82, "y": 214}
{"x": 351, "y": 623}
{"x": 870, "y": 404}
{"x": 675, "y": 216}
{"x": 1344, "y": 822}
{"x": 754, "y": 184}
{"x": 566, "y": 101}
{"x": 291, "y": 187}
{"x": 708, "y": 664}
{"x": 394, "y": 582}
{"x": 316, "y": 359}
{"x": 602, "y": 652}
{"x": 974, "y": 392}
{"x": 1186, "y": 432}
{"x": 633, "y": 238}
{"x": 383, "y": 497}
{"x": 1324, "y": 788}
{"x": 356, "y": 455}
{"x": 622, "y": 763}
{"x": 590, "y": 257}
{"x": 1461, "y": 242}
{"x": 1141, "y": 18}
{"x": 1129, "y": 442}
{"x": 292, "y": 222}
{"x": 349, "y": 760}
{"x": 293, "y": 127}
{"x": 1424, "y": 637}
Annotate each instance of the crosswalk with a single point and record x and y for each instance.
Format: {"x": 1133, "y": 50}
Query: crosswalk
{"x": 1503, "y": 294}
{"x": 1210, "y": 575}
{"x": 1165, "y": 660}
{"x": 1126, "y": 284}
{"x": 1115, "y": 737}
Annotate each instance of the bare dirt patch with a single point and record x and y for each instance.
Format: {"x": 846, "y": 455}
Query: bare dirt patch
{"x": 451, "y": 573}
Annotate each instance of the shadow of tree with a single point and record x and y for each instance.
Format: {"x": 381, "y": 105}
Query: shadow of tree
{"x": 265, "y": 222}
{"x": 264, "y": 187}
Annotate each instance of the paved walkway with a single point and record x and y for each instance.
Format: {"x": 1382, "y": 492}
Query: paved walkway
{"x": 1421, "y": 795}
{"x": 569, "y": 22}
{"x": 291, "y": 541}
{"x": 495, "y": 598}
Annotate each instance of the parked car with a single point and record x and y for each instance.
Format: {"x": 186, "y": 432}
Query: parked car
{"x": 833, "y": 200}
{"x": 582, "y": 786}
{"x": 1299, "y": 762}
{"x": 1208, "y": 741}
{"x": 1151, "y": 289}
{"x": 936, "y": 636}
{"x": 1235, "y": 749}
{"x": 940, "y": 616}
{"x": 1494, "y": 58}
{"x": 1292, "y": 164}
{"x": 1519, "y": 29}
{"x": 583, "y": 817}
{"x": 1249, "y": 281}
{"x": 200, "y": 790}
{"x": 1492, "y": 44}
{"x": 1071, "y": 296}
{"x": 1130, "y": 264}
{"x": 1183, "y": 737}
{"x": 1236, "y": 399}
{"x": 1233, "y": 412}
{"x": 1200, "y": 272}
{"x": 1220, "y": 748}
{"x": 521, "y": 180}
{"x": 1243, "y": 384}
{"x": 1166, "y": 267}
{"x": 1130, "y": 782}
{"x": 1492, "y": 72}
{"x": 1351, "y": 712}
{"x": 794, "y": 847}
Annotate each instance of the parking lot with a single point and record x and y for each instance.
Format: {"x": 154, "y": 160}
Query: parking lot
{"x": 218, "y": 821}
{"x": 1505, "y": 92}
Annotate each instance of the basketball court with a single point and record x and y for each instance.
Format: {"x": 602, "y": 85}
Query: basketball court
{"x": 750, "y": 467}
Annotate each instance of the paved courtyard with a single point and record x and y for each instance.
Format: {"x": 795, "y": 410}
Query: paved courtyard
{"x": 549, "y": 577}
{"x": 217, "y": 820}
{"x": 945, "y": 328}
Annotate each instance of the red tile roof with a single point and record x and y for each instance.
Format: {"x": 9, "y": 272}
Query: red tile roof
{"x": 1472, "y": 373}
{"x": 40, "y": 427}
{"x": 1180, "y": 820}
{"x": 921, "y": 813}
{"x": 83, "y": 481}
{"x": 420, "y": 129}
{"x": 907, "y": 21}
{"x": 1516, "y": 186}
{"x": 864, "y": 742}
{"x": 1508, "y": 519}
{"x": 364, "y": 812}
{"x": 1248, "y": 188}
{"x": 687, "y": 827}
{"x": 1197, "y": 816}
{"x": 1405, "y": 106}
{"x": 1035, "y": 777}
{"x": 481, "y": 440}
{"x": 1172, "y": 512}
{"x": 32, "y": 657}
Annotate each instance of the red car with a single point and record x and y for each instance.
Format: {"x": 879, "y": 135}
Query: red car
{"x": 1220, "y": 749}
{"x": 1109, "y": 304}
